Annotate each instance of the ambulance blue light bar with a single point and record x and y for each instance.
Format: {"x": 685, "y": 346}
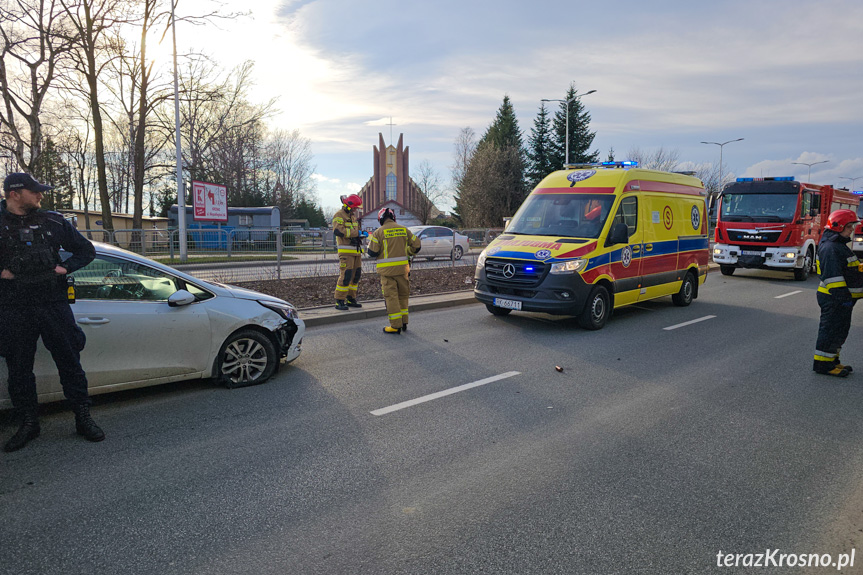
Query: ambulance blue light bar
{"x": 623, "y": 164}
{"x": 782, "y": 179}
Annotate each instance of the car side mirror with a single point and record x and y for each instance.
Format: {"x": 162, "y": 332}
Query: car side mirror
{"x": 619, "y": 235}
{"x": 180, "y": 298}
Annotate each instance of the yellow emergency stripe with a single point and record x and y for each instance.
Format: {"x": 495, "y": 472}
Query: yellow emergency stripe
{"x": 341, "y": 288}
{"x": 338, "y": 221}
{"x": 831, "y": 283}
{"x": 395, "y": 316}
{"x": 389, "y": 262}
{"x": 348, "y": 249}
{"x": 824, "y": 356}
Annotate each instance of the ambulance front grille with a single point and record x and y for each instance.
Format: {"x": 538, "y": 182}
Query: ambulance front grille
{"x": 515, "y": 273}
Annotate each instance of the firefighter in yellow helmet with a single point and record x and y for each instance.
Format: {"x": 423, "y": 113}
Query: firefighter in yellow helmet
{"x": 349, "y": 237}
{"x": 392, "y": 245}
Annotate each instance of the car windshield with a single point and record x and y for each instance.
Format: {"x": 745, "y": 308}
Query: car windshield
{"x": 569, "y": 215}
{"x": 758, "y": 207}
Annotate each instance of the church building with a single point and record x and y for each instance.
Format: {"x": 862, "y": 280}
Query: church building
{"x": 392, "y": 187}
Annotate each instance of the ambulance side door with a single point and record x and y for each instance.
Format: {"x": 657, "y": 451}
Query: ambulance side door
{"x": 626, "y": 258}
{"x": 659, "y": 264}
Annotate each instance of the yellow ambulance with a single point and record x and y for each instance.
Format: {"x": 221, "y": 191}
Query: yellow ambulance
{"x": 593, "y": 238}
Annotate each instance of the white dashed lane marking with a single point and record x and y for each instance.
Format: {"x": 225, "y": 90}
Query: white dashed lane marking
{"x": 788, "y": 294}
{"x": 686, "y": 323}
{"x": 444, "y": 393}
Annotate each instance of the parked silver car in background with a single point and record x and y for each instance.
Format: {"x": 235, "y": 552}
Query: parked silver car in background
{"x": 147, "y": 324}
{"x": 438, "y": 242}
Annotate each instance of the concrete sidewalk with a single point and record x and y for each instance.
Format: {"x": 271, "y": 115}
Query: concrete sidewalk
{"x": 375, "y": 308}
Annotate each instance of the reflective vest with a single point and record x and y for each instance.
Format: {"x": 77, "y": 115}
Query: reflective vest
{"x": 348, "y": 225}
{"x": 392, "y": 243}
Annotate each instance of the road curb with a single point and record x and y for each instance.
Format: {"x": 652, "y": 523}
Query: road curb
{"x": 376, "y": 308}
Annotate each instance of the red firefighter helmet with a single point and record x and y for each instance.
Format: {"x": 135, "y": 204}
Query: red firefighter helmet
{"x": 352, "y": 201}
{"x": 838, "y": 219}
{"x": 385, "y": 213}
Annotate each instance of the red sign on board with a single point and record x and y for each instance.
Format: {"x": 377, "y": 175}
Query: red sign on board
{"x": 211, "y": 202}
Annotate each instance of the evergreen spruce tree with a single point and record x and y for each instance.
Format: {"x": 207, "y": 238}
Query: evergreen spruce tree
{"x": 580, "y": 136}
{"x": 52, "y": 170}
{"x": 493, "y": 185}
{"x": 539, "y": 161}
{"x": 504, "y": 131}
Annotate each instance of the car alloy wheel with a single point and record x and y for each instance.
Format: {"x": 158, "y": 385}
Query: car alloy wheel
{"x": 247, "y": 358}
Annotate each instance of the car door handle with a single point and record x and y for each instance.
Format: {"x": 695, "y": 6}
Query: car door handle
{"x": 94, "y": 320}
{"x": 648, "y": 247}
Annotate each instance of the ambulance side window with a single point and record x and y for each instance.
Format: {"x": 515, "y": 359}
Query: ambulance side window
{"x": 627, "y": 214}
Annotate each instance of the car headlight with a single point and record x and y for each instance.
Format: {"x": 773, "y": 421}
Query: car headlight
{"x": 717, "y": 251}
{"x": 569, "y": 266}
{"x": 286, "y": 310}
{"x": 480, "y": 261}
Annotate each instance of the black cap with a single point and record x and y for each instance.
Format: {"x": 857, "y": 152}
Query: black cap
{"x": 22, "y": 181}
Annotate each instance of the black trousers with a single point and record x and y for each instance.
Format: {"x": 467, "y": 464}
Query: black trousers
{"x": 20, "y": 330}
{"x": 833, "y": 328}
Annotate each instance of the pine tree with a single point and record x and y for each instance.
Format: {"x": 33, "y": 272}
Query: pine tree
{"x": 52, "y": 170}
{"x": 504, "y": 131}
{"x": 539, "y": 162}
{"x": 580, "y": 136}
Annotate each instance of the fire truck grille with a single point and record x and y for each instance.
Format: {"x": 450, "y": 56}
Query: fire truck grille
{"x": 514, "y": 273}
{"x": 753, "y": 236}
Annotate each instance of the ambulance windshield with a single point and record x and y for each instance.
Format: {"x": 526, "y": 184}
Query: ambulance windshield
{"x": 758, "y": 207}
{"x": 566, "y": 215}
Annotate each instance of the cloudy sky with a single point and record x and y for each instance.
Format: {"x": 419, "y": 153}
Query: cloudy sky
{"x": 787, "y": 76}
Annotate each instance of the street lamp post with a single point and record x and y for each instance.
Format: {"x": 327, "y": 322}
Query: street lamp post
{"x": 181, "y": 192}
{"x": 809, "y": 177}
{"x": 852, "y": 180}
{"x": 567, "y": 102}
{"x": 720, "y": 157}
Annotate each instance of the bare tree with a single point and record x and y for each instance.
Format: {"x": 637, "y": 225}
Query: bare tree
{"x": 492, "y": 187}
{"x": 429, "y": 182}
{"x": 34, "y": 41}
{"x": 91, "y": 21}
{"x": 658, "y": 159}
{"x": 289, "y": 158}
{"x": 465, "y": 146}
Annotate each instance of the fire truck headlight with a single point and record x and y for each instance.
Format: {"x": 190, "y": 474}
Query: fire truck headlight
{"x": 790, "y": 255}
{"x": 568, "y": 267}
{"x": 717, "y": 251}
{"x": 858, "y": 240}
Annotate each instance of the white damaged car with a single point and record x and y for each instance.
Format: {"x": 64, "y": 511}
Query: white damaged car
{"x": 146, "y": 324}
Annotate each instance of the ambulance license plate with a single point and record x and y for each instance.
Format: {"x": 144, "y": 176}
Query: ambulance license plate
{"x": 507, "y": 303}
{"x": 751, "y": 253}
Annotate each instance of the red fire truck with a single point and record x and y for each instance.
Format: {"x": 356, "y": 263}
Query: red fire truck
{"x": 774, "y": 223}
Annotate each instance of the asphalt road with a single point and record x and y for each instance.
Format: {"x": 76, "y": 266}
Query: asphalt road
{"x": 653, "y": 450}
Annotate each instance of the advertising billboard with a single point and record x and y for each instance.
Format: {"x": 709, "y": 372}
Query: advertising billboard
{"x": 211, "y": 202}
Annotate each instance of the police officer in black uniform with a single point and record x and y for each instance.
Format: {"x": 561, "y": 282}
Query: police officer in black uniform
{"x": 841, "y": 285}
{"x": 34, "y": 303}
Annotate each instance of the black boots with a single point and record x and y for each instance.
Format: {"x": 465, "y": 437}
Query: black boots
{"x": 352, "y": 302}
{"x": 28, "y": 431}
{"x": 85, "y": 425}
{"x": 340, "y": 305}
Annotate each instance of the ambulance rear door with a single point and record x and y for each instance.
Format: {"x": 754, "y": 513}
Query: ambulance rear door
{"x": 626, "y": 259}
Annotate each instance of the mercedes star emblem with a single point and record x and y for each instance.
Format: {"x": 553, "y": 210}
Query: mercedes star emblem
{"x": 508, "y": 271}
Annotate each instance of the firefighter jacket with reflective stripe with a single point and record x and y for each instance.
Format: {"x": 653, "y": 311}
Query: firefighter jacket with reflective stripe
{"x": 30, "y": 248}
{"x": 391, "y": 244}
{"x": 839, "y": 268}
{"x": 346, "y": 229}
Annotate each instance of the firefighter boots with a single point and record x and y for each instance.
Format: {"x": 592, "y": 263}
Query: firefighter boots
{"x": 827, "y": 368}
{"x": 85, "y": 425}
{"x": 404, "y": 327}
{"x": 28, "y": 431}
{"x": 352, "y": 302}
{"x": 340, "y": 305}
{"x": 392, "y": 330}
